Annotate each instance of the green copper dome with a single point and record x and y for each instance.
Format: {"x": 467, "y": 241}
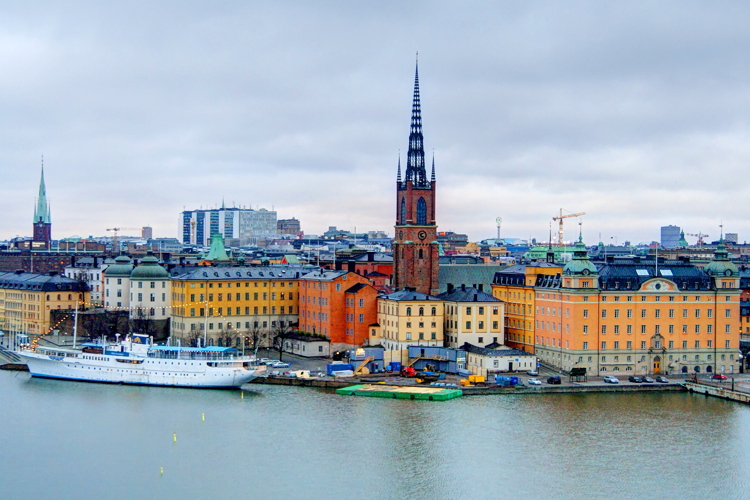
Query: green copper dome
{"x": 580, "y": 263}
{"x": 149, "y": 269}
{"x": 721, "y": 265}
{"x": 121, "y": 268}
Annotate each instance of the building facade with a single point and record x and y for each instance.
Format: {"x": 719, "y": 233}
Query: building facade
{"x": 640, "y": 316}
{"x": 473, "y": 317}
{"x": 415, "y": 245}
{"x": 408, "y": 317}
{"x": 238, "y": 226}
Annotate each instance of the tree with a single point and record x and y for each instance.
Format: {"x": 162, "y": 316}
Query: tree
{"x": 226, "y": 338}
{"x": 279, "y": 335}
{"x": 255, "y": 336}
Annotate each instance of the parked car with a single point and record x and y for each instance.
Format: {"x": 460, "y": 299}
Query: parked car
{"x": 280, "y": 364}
{"x": 265, "y": 361}
{"x": 662, "y": 380}
{"x": 611, "y": 379}
{"x": 635, "y": 379}
{"x": 648, "y": 380}
{"x": 719, "y": 376}
{"x": 533, "y": 373}
{"x": 554, "y": 380}
{"x": 534, "y": 381}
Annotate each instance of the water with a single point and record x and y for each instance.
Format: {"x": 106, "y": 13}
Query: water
{"x": 75, "y": 440}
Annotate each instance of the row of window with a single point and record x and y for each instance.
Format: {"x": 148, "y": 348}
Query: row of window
{"x": 237, "y": 311}
{"x": 658, "y": 345}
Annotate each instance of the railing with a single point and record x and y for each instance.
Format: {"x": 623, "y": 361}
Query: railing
{"x": 10, "y": 355}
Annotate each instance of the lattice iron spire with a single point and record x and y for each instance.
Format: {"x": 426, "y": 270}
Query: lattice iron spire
{"x": 398, "y": 176}
{"x": 415, "y": 165}
{"x": 432, "y": 178}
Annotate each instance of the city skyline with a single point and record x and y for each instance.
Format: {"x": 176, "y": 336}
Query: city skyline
{"x": 633, "y": 114}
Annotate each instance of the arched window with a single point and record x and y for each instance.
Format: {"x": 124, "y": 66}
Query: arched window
{"x": 403, "y": 212}
{"x": 434, "y": 311}
{"x": 408, "y": 311}
{"x": 421, "y": 212}
{"x": 421, "y": 311}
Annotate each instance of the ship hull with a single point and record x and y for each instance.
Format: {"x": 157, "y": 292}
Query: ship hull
{"x": 156, "y": 372}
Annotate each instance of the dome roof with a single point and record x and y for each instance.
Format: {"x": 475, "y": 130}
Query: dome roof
{"x": 149, "y": 269}
{"x": 122, "y": 267}
{"x": 580, "y": 263}
{"x": 721, "y": 265}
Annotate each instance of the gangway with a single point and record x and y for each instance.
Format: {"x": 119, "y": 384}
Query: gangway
{"x": 363, "y": 364}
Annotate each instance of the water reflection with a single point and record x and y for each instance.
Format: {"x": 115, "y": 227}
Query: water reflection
{"x": 92, "y": 440}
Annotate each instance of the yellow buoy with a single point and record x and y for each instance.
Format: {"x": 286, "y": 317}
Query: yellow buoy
{"x": 174, "y": 436}
{"x": 161, "y": 470}
{"x": 203, "y": 417}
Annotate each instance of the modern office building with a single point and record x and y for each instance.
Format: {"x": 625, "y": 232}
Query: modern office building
{"x": 670, "y": 236}
{"x": 238, "y": 226}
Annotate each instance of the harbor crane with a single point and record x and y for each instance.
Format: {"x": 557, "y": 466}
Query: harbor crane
{"x": 115, "y": 230}
{"x": 560, "y": 219}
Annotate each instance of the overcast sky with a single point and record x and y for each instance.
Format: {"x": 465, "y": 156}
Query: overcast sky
{"x": 635, "y": 113}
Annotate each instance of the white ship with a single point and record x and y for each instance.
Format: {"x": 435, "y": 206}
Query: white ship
{"x": 136, "y": 360}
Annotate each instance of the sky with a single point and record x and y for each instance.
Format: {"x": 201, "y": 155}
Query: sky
{"x": 635, "y": 113}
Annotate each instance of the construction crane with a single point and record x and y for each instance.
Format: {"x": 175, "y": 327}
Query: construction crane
{"x": 560, "y": 218}
{"x": 698, "y": 235}
{"x": 115, "y": 248}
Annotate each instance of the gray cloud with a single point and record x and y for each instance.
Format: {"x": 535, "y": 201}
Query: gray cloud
{"x": 635, "y": 113}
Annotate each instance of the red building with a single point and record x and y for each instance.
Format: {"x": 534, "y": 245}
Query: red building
{"x": 338, "y": 304}
{"x": 415, "y": 246}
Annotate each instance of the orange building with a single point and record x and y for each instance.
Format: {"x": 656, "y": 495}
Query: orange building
{"x": 640, "y": 316}
{"x": 338, "y": 304}
{"x": 515, "y": 286}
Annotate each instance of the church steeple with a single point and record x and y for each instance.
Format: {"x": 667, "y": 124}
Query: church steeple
{"x": 415, "y": 165}
{"x": 42, "y": 211}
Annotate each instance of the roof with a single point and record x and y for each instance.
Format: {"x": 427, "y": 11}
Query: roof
{"x": 374, "y": 257}
{"x": 149, "y": 269}
{"x": 323, "y": 275}
{"x": 241, "y": 273}
{"x": 483, "y": 351}
{"x": 630, "y": 274}
{"x": 466, "y": 274}
{"x": 467, "y": 294}
{"x": 409, "y": 294}
{"x": 40, "y": 282}
{"x": 356, "y": 288}
{"x": 123, "y": 266}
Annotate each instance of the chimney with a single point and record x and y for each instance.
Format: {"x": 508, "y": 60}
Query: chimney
{"x": 463, "y": 287}
{"x": 481, "y": 287}
{"x": 450, "y": 287}
{"x": 370, "y": 256}
{"x": 476, "y": 298}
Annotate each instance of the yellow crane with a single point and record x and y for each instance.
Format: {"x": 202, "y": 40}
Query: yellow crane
{"x": 561, "y": 218}
{"x": 115, "y": 248}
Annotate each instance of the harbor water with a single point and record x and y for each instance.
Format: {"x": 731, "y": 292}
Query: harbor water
{"x": 62, "y": 439}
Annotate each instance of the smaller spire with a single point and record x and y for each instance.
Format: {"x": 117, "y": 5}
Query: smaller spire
{"x": 433, "y": 166}
{"x": 398, "y": 176}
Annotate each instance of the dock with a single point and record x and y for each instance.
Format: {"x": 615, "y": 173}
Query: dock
{"x": 401, "y": 392}
{"x": 718, "y": 392}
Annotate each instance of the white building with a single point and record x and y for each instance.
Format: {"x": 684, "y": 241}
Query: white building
{"x": 238, "y": 226}
{"x": 117, "y": 284}
{"x": 150, "y": 289}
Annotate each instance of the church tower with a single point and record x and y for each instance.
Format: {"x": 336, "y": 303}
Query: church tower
{"x": 415, "y": 247}
{"x": 42, "y": 219}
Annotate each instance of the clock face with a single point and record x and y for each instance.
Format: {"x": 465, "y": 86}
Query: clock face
{"x": 422, "y": 235}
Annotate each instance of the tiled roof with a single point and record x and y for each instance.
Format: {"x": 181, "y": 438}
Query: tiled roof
{"x": 494, "y": 352}
{"x": 40, "y": 282}
{"x": 409, "y": 295}
{"x": 467, "y": 294}
{"x": 469, "y": 275}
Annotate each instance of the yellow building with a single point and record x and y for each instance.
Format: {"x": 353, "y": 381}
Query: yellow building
{"x": 632, "y": 316}
{"x": 408, "y": 317}
{"x": 26, "y": 300}
{"x": 472, "y": 316}
{"x": 515, "y": 287}
{"x": 228, "y": 303}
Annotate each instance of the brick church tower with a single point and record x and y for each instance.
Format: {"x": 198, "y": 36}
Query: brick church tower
{"x": 415, "y": 247}
{"x": 42, "y": 218}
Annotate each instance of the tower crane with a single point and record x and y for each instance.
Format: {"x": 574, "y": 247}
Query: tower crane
{"x": 698, "y": 235}
{"x": 560, "y": 218}
{"x": 115, "y": 248}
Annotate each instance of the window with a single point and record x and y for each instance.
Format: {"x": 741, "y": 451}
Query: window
{"x": 684, "y": 344}
{"x": 697, "y": 328}
{"x": 630, "y": 344}
{"x": 726, "y": 344}
{"x": 671, "y": 313}
{"x": 671, "y": 344}
{"x": 617, "y": 329}
{"x": 697, "y": 344}
{"x": 697, "y": 313}
{"x": 629, "y": 329}
{"x": 709, "y": 329}
{"x": 684, "y": 313}
{"x": 604, "y": 329}
{"x": 585, "y": 346}
{"x": 421, "y": 212}
{"x": 468, "y": 325}
{"x": 727, "y": 313}
{"x": 617, "y": 344}
{"x": 585, "y": 313}
{"x": 643, "y": 344}
{"x": 657, "y": 313}
{"x": 643, "y": 313}
{"x": 709, "y": 343}
{"x": 585, "y": 329}
{"x": 617, "y": 313}
{"x": 604, "y": 313}
{"x": 643, "y": 328}
{"x": 604, "y": 344}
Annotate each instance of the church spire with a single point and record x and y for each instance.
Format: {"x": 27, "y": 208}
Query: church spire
{"x": 415, "y": 165}
{"x": 42, "y": 211}
{"x": 432, "y": 178}
{"x": 398, "y": 176}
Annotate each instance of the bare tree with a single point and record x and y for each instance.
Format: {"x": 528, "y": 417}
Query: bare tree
{"x": 279, "y": 335}
{"x": 255, "y": 336}
{"x": 226, "y": 338}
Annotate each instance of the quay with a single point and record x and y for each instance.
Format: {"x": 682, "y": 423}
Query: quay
{"x": 718, "y": 392}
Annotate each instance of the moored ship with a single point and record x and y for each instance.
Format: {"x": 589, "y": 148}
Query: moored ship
{"x": 137, "y": 360}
